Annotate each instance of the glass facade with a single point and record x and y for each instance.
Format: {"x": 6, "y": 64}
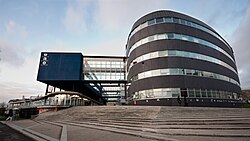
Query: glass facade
{"x": 178, "y": 37}
{"x": 181, "y": 71}
{"x": 104, "y": 69}
{"x": 177, "y": 53}
{"x": 179, "y": 21}
{"x": 190, "y": 93}
{"x": 107, "y": 76}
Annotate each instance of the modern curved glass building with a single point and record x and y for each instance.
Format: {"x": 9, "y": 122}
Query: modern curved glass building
{"x": 175, "y": 59}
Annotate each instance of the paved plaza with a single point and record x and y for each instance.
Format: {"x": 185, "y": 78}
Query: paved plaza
{"x": 9, "y": 134}
{"x": 138, "y": 123}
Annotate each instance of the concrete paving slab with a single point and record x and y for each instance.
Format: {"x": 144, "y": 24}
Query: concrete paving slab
{"x": 25, "y": 123}
{"x": 9, "y": 134}
{"x": 50, "y": 130}
{"x": 87, "y": 134}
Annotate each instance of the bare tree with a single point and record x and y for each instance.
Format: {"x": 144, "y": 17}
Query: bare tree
{"x": 2, "y": 104}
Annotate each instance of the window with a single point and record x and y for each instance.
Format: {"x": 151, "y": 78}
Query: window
{"x": 168, "y": 19}
{"x": 174, "y": 94}
{"x": 149, "y": 93}
{"x": 184, "y": 93}
{"x": 193, "y": 24}
{"x": 140, "y": 75}
{"x": 183, "y": 21}
{"x": 176, "y": 20}
{"x": 151, "y": 22}
{"x": 163, "y": 53}
{"x": 213, "y": 93}
{"x": 170, "y": 36}
{"x": 196, "y": 40}
{"x": 157, "y": 92}
{"x": 154, "y": 54}
{"x": 184, "y": 54}
{"x": 217, "y": 94}
{"x": 183, "y": 71}
{"x": 161, "y": 36}
{"x": 178, "y": 36}
{"x": 223, "y": 94}
{"x": 189, "y": 23}
{"x": 184, "y": 37}
{"x": 171, "y": 52}
{"x": 173, "y": 71}
{"x": 165, "y": 71}
{"x": 191, "y": 93}
{"x": 148, "y": 74}
{"x": 142, "y": 95}
{"x": 146, "y": 56}
{"x": 195, "y": 72}
{"x": 197, "y": 93}
{"x": 188, "y": 72}
{"x": 135, "y": 77}
{"x": 150, "y": 38}
{"x": 203, "y": 93}
{"x": 155, "y": 73}
{"x": 209, "y": 93}
{"x": 159, "y": 20}
{"x": 144, "y": 41}
{"x": 191, "y": 39}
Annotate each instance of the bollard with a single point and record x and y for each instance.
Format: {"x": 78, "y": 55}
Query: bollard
{"x": 40, "y": 110}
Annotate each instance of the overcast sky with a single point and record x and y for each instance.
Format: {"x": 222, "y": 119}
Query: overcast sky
{"x": 98, "y": 27}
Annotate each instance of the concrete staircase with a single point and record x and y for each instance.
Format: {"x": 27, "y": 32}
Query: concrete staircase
{"x": 159, "y": 123}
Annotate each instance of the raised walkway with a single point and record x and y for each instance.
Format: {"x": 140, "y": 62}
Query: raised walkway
{"x": 139, "y": 123}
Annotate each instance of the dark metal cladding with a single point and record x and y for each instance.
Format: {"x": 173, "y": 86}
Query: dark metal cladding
{"x": 60, "y": 66}
{"x": 180, "y": 29}
{"x": 64, "y": 71}
{"x": 168, "y": 13}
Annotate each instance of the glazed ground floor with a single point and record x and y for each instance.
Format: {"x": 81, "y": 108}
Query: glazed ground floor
{"x": 199, "y": 102}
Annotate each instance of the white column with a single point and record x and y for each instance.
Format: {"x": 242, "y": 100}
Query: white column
{"x": 70, "y": 100}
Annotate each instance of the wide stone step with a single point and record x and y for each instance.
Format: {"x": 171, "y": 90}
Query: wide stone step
{"x": 162, "y": 132}
{"x": 164, "y": 126}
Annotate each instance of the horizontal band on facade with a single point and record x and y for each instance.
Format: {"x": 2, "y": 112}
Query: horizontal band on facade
{"x": 171, "y": 36}
{"x": 182, "y": 92}
{"x": 181, "y": 71}
{"x": 169, "y": 53}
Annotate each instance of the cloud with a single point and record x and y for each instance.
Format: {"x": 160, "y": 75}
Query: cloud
{"x": 112, "y": 47}
{"x": 76, "y": 16}
{"x": 11, "y": 54}
{"x": 14, "y": 28}
{"x": 223, "y": 21}
{"x": 18, "y": 81}
{"x": 12, "y": 90}
{"x": 10, "y": 26}
{"x": 114, "y": 14}
{"x": 83, "y": 15}
{"x": 240, "y": 44}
